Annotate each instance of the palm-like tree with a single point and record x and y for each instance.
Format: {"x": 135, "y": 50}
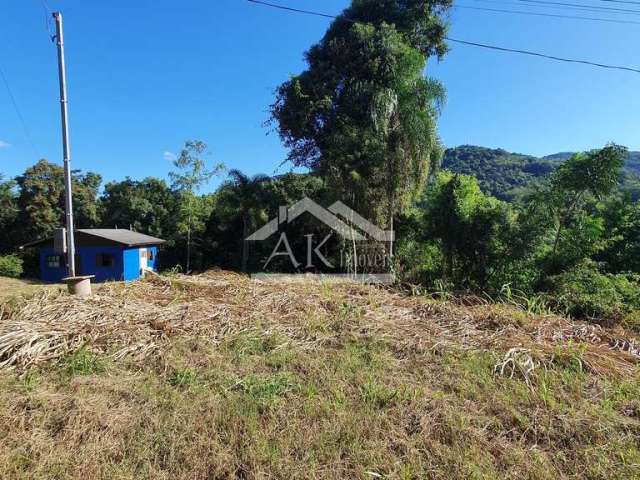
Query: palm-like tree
{"x": 247, "y": 195}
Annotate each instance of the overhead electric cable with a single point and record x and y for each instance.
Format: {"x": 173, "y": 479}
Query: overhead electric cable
{"x": 581, "y": 6}
{"x": 621, "y": 1}
{"x": 539, "y": 14}
{"x": 48, "y": 14}
{"x": 574, "y": 7}
{"x": 465, "y": 42}
{"x": 27, "y": 132}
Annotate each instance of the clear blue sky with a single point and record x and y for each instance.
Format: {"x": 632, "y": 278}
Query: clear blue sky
{"x": 146, "y": 75}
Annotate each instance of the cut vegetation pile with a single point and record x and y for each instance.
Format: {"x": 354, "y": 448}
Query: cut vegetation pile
{"x": 217, "y": 376}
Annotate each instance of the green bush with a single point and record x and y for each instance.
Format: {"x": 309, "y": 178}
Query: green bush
{"x": 10, "y": 266}
{"x": 632, "y": 321}
{"x": 585, "y": 292}
{"x": 419, "y": 263}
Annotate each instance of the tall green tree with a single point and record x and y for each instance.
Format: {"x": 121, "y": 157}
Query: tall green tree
{"x": 41, "y": 200}
{"x": 362, "y": 115}
{"x": 244, "y": 203}
{"x": 191, "y": 174}
{"x": 8, "y": 214}
{"x": 246, "y": 195}
{"x": 571, "y": 188}
{"x": 146, "y": 205}
{"x": 475, "y": 231}
{"x": 621, "y": 223}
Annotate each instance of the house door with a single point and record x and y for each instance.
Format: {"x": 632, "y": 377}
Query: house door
{"x": 143, "y": 261}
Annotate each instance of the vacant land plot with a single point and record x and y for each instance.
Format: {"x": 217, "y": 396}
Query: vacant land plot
{"x": 219, "y": 377}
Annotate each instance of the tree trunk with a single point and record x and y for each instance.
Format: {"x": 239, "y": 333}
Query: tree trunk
{"x": 353, "y": 242}
{"x": 393, "y": 236}
{"x": 245, "y": 245}
{"x": 189, "y": 246}
{"x": 189, "y": 236}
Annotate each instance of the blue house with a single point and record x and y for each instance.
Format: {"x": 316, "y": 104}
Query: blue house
{"x": 108, "y": 254}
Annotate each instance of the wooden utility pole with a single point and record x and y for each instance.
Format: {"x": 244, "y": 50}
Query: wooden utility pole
{"x": 71, "y": 248}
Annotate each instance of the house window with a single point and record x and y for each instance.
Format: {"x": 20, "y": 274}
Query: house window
{"x": 104, "y": 260}
{"x": 52, "y": 261}
{"x": 150, "y": 255}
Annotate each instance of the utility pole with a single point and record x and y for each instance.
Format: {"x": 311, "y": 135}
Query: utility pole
{"x": 71, "y": 248}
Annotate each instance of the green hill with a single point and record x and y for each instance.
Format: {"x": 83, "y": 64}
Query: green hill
{"x": 502, "y": 173}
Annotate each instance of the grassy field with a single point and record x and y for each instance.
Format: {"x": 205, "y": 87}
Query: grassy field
{"x": 218, "y": 377}
{"x": 10, "y": 287}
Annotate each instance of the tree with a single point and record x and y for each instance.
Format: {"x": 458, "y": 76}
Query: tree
{"x": 41, "y": 199}
{"x": 191, "y": 174}
{"x": 245, "y": 203}
{"x": 474, "y": 230}
{"x": 246, "y": 194}
{"x": 621, "y": 219}
{"x": 146, "y": 205}
{"x": 571, "y": 188}
{"x": 8, "y": 214}
{"x": 362, "y": 115}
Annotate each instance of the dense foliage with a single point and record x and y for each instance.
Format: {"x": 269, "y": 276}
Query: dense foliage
{"x": 507, "y": 175}
{"x": 363, "y": 116}
{"x": 10, "y": 266}
{"x": 573, "y": 238}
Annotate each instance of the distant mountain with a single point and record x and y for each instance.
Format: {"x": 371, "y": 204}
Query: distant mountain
{"x": 558, "y": 157}
{"x": 503, "y": 174}
{"x": 632, "y": 162}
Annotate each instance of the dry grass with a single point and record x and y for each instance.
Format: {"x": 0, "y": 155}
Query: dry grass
{"x": 216, "y": 376}
{"x": 11, "y": 287}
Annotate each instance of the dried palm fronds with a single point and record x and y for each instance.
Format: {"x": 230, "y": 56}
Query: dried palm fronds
{"x": 517, "y": 361}
{"x": 142, "y": 318}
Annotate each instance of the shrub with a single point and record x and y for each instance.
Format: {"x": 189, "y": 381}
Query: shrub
{"x": 10, "y": 266}
{"x": 419, "y": 262}
{"x": 585, "y": 292}
{"x": 632, "y": 321}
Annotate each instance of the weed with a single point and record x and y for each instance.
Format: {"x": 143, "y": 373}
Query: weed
{"x": 30, "y": 381}
{"x": 183, "y": 378}
{"x": 265, "y": 390}
{"x": 252, "y": 342}
{"x": 380, "y": 395}
{"x": 82, "y": 362}
{"x": 532, "y": 304}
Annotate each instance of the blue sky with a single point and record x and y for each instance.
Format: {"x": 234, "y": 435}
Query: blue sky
{"x": 144, "y": 76}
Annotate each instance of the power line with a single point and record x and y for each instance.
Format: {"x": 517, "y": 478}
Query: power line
{"x": 27, "y": 133}
{"x": 297, "y": 10}
{"x": 621, "y": 1}
{"x": 539, "y": 14}
{"x": 326, "y": 15}
{"x": 552, "y": 5}
{"x": 48, "y": 13}
{"x": 46, "y": 6}
{"x": 582, "y": 6}
{"x": 464, "y": 42}
{"x": 542, "y": 55}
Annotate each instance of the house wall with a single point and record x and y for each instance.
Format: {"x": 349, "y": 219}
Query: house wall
{"x": 51, "y": 274}
{"x": 125, "y": 266}
{"x": 88, "y": 263}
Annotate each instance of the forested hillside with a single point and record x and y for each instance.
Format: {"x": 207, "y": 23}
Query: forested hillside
{"x": 503, "y": 174}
